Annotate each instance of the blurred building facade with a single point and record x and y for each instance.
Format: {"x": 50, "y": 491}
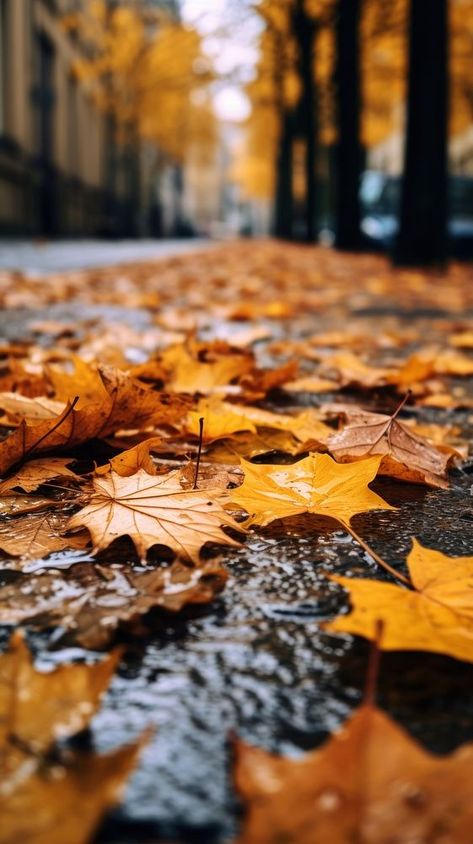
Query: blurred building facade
{"x": 62, "y": 170}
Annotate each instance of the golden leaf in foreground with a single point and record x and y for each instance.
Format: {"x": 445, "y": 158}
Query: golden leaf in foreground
{"x": 36, "y": 707}
{"x": 92, "y": 602}
{"x": 155, "y": 511}
{"x": 66, "y": 802}
{"x": 316, "y": 484}
{"x": 436, "y": 615}
{"x": 370, "y": 783}
{"x": 44, "y": 801}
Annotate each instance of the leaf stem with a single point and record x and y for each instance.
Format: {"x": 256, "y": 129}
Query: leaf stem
{"x": 64, "y": 415}
{"x": 397, "y": 574}
{"x": 199, "y": 451}
{"x": 372, "y": 672}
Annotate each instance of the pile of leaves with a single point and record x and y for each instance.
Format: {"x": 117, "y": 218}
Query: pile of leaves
{"x": 134, "y": 453}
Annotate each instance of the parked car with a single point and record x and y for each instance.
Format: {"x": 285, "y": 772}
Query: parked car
{"x": 380, "y": 196}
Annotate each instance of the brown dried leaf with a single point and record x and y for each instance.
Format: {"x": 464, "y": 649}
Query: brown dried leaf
{"x": 128, "y": 404}
{"x": 323, "y": 797}
{"x": 37, "y": 472}
{"x": 92, "y": 602}
{"x": 34, "y": 536}
{"x": 405, "y": 455}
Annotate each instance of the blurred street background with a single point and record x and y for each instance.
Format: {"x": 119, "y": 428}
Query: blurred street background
{"x": 348, "y": 122}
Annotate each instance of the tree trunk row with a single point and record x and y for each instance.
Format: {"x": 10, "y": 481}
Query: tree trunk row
{"x": 423, "y": 212}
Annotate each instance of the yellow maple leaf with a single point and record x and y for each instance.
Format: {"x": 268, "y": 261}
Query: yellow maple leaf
{"x": 155, "y": 510}
{"x": 316, "y": 484}
{"x": 197, "y": 367}
{"x": 223, "y": 419}
{"x": 435, "y": 615}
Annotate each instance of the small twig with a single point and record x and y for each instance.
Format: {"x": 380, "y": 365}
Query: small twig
{"x": 401, "y": 405}
{"x": 199, "y": 451}
{"x": 372, "y": 672}
{"x": 397, "y": 574}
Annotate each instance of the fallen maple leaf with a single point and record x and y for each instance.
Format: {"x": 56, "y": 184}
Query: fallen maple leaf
{"x": 128, "y": 462}
{"x": 34, "y": 535}
{"x": 257, "y": 383}
{"x": 18, "y": 407}
{"x": 351, "y": 370}
{"x": 405, "y": 455}
{"x": 37, "y": 472}
{"x": 316, "y": 484}
{"x": 36, "y": 707}
{"x": 435, "y": 615}
{"x": 92, "y": 602}
{"x": 369, "y": 783}
{"x": 129, "y": 404}
{"x": 200, "y": 367}
{"x": 311, "y": 384}
{"x": 51, "y": 801}
{"x": 247, "y": 445}
{"x": 155, "y": 511}
{"x": 15, "y": 504}
{"x": 223, "y": 419}
{"x": 65, "y": 801}
{"x": 84, "y": 381}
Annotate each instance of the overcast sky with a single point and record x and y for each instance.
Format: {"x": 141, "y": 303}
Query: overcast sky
{"x": 229, "y": 29}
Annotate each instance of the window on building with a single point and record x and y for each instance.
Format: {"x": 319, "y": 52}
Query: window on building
{"x": 3, "y": 64}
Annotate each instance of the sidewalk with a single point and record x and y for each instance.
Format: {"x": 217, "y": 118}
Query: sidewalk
{"x": 36, "y": 257}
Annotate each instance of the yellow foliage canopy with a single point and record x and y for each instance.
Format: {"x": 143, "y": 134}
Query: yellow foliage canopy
{"x": 150, "y": 72}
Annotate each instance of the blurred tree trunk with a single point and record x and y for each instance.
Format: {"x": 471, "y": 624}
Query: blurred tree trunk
{"x": 348, "y": 149}
{"x": 422, "y": 235}
{"x": 284, "y": 199}
{"x": 304, "y": 29}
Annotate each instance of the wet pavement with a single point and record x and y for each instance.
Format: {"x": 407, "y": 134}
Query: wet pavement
{"x": 256, "y": 663}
